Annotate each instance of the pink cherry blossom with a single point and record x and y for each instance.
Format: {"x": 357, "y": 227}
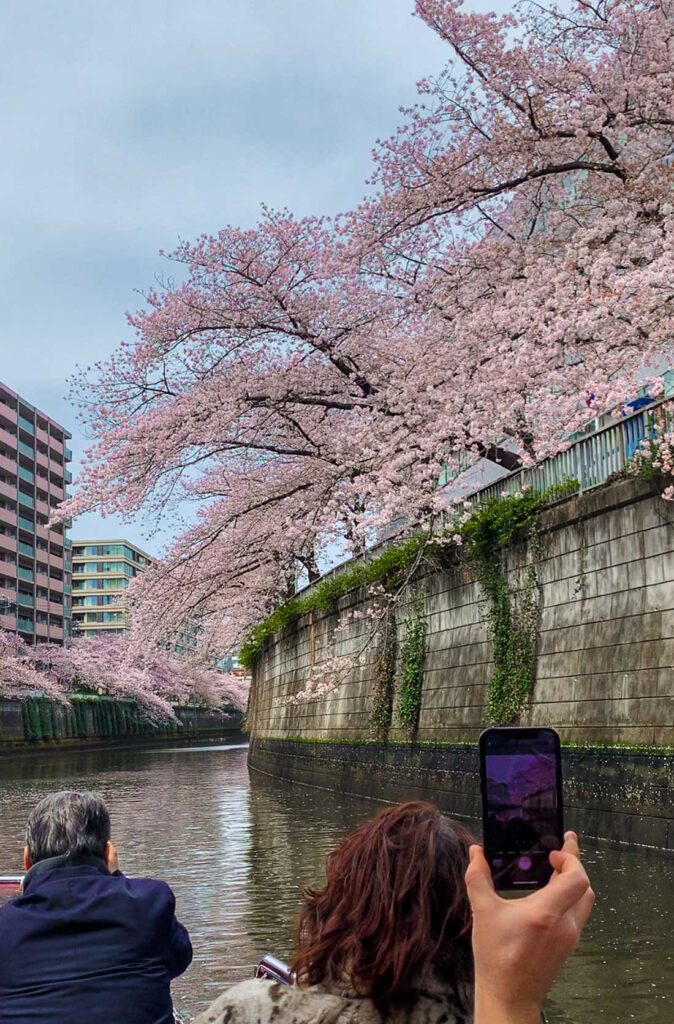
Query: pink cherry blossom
{"x": 154, "y": 680}
{"x": 508, "y": 278}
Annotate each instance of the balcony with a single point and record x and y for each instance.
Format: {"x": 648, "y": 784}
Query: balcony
{"x": 67, "y": 542}
{"x": 7, "y": 411}
{"x": 26, "y": 600}
{"x": 26, "y": 500}
{"x": 7, "y": 516}
{"x": 42, "y": 629}
{"x": 27, "y": 425}
{"x": 7, "y": 543}
{"x": 26, "y": 524}
{"x": 56, "y": 586}
{"x": 8, "y": 439}
{"x": 26, "y": 450}
{"x": 42, "y": 436}
{"x": 56, "y": 633}
{"x": 43, "y": 581}
{"x": 26, "y": 475}
{"x": 8, "y": 620}
{"x": 43, "y": 508}
{"x": 7, "y": 596}
{"x": 8, "y": 465}
{"x": 8, "y": 569}
{"x": 42, "y": 460}
{"x": 26, "y": 549}
{"x": 56, "y": 562}
{"x": 42, "y": 604}
{"x": 26, "y": 574}
{"x": 56, "y": 490}
{"x": 67, "y": 456}
{"x": 25, "y": 624}
{"x": 56, "y": 446}
{"x": 7, "y": 490}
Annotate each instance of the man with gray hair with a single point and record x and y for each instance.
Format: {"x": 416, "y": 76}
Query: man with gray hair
{"x": 83, "y": 942}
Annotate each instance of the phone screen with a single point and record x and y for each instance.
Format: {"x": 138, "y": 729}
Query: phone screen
{"x": 522, "y": 804}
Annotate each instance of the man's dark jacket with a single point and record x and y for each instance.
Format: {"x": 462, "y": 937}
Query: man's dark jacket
{"x": 83, "y": 946}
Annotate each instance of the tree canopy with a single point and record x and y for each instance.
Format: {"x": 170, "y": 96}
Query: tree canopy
{"x": 508, "y": 276}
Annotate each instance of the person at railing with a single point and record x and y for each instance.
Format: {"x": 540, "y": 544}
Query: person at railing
{"x": 83, "y": 942}
{"x": 398, "y": 934}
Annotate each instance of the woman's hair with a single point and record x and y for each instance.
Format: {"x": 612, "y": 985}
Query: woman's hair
{"x": 394, "y": 913}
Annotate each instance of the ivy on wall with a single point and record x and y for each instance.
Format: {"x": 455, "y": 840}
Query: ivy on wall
{"x": 323, "y": 597}
{"x": 412, "y": 666}
{"x": 384, "y": 680}
{"x": 512, "y": 615}
{"x": 86, "y": 716}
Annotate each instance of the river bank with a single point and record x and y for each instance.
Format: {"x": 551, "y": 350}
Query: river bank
{"x": 90, "y": 721}
{"x": 614, "y": 794}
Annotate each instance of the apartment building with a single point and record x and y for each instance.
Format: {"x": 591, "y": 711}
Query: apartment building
{"x": 35, "y": 563}
{"x": 102, "y": 570}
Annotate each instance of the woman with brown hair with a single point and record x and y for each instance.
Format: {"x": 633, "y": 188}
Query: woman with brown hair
{"x": 387, "y": 939}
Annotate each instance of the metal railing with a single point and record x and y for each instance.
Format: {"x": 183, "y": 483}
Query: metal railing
{"x": 591, "y": 460}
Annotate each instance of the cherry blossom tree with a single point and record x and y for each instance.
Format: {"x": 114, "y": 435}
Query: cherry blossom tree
{"x": 509, "y": 276}
{"x": 19, "y": 675}
{"x": 154, "y": 680}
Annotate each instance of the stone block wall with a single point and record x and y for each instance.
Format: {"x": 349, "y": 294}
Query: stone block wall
{"x": 606, "y": 641}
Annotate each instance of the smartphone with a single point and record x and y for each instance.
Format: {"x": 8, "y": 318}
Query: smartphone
{"x": 521, "y": 782}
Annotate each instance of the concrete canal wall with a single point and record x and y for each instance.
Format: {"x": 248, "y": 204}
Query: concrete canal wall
{"x": 604, "y": 674}
{"x": 612, "y": 794}
{"x": 39, "y": 724}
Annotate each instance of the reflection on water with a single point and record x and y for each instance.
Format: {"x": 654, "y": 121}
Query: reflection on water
{"x": 237, "y": 852}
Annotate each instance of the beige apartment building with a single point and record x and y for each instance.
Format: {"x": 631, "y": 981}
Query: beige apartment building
{"x": 102, "y": 570}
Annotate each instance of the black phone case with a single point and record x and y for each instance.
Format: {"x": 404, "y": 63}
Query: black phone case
{"x": 518, "y": 733}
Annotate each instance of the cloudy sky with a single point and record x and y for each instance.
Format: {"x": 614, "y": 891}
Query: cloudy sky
{"x": 127, "y": 126}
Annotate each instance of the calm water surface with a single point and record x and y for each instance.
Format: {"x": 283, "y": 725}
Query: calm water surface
{"x": 237, "y": 851}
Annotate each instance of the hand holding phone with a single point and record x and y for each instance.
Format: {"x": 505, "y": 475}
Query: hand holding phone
{"x": 521, "y": 781}
{"x": 520, "y": 945}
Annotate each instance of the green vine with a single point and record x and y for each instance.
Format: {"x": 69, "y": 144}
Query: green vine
{"x": 323, "y": 597}
{"x": 412, "y": 666}
{"x": 384, "y": 680}
{"x": 512, "y": 616}
{"x": 390, "y": 567}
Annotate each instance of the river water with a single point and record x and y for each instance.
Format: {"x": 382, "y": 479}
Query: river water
{"x": 237, "y": 851}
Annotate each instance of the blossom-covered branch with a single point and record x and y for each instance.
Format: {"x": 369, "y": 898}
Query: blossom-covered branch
{"x": 154, "y": 681}
{"x": 510, "y": 277}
